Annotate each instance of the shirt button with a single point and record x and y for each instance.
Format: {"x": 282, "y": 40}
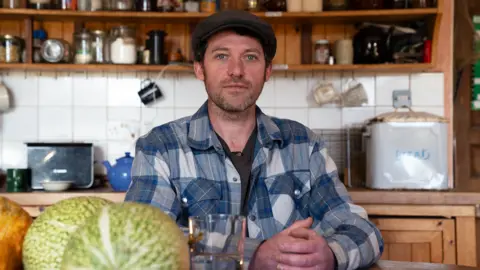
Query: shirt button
{"x": 253, "y": 217}
{"x": 296, "y": 192}
{"x": 235, "y": 179}
{"x": 184, "y": 200}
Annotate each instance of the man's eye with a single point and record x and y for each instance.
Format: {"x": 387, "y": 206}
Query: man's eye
{"x": 220, "y": 56}
{"x": 252, "y": 57}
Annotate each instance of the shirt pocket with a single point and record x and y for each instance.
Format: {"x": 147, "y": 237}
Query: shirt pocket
{"x": 289, "y": 195}
{"x": 201, "y": 197}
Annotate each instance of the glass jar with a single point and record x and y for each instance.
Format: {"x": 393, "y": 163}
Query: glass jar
{"x": 123, "y": 48}
{"x": 10, "y": 49}
{"x": 337, "y": 5}
{"x": 83, "y": 47}
{"x": 368, "y": 4}
{"x": 312, "y": 5}
{"x": 322, "y": 51}
{"x": 40, "y": 4}
{"x": 12, "y": 4}
{"x": 98, "y": 46}
{"x": 122, "y": 5}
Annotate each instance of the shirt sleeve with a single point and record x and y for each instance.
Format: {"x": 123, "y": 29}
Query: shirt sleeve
{"x": 355, "y": 241}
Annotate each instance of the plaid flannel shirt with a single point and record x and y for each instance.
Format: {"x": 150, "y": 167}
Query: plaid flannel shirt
{"x": 181, "y": 168}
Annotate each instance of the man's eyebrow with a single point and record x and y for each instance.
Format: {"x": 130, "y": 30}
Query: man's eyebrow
{"x": 253, "y": 50}
{"x": 219, "y": 49}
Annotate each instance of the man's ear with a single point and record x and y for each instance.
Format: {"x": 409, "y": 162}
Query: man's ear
{"x": 268, "y": 71}
{"x": 199, "y": 72}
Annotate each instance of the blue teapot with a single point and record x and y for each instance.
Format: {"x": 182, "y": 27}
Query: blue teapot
{"x": 119, "y": 174}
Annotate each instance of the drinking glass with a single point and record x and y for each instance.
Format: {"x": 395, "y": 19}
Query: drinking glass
{"x": 217, "y": 241}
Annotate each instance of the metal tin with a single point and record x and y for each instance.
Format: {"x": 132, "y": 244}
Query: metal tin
{"x": 55, "y": 51}
{"x": 10, "y": 49}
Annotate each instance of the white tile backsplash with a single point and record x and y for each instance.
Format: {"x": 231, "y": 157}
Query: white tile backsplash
{"x": 89, "y": 91}
{"x": 89, "y": 123}
{"x": 14, "y": 154}
{"x": 55, "y": 91}
{"x": 427, "y": 89}
{"x": 291, "y": 91}
{"x": 386, "y": 84}
{"x": 123, "y": 92}
{"x": 356, "y": 116}
{"x": 325, "y": 118}
{"x": 106, "y": 109}
{"x": 189, "y": 91}
{"x": 55, "y": 124}
{"x": 23, "y": 88}
{"x": 20, "y": 124}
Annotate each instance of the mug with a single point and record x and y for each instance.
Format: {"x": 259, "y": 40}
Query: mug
{"x": 150, "y": 92}
{"x": 4, "y": 98}
{"x": 18, "y": 180}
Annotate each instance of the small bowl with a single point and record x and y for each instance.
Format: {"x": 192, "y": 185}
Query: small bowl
{"x": 56, "y": 185}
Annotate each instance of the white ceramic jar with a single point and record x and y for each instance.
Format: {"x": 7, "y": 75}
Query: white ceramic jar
{"x": 294, "y": 5}
{"x": 312, "y": 5}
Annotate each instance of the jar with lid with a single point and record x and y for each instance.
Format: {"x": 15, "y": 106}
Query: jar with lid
{"x": 122, "y": 5}
{"x": 312, "y": 5}
{"x": 337, "y": 5}
{"x": 89, "y": 5}
{"x": 367, "y": 4}
{"x": 98, "y": 46}
{"x": 41, "y": 4}
{"x": 10, "y": 49}
{"x": 123, "y": 48}
{"x": 322, "y": 51}
{"x": 12, "y": 4}
{"x": 83, "y": 47}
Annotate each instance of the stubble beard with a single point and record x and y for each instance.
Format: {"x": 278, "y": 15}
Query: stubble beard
{"x": 221, "y": 102}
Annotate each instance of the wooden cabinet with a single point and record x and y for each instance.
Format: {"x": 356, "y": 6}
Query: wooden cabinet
{"x": 418, "y": 240}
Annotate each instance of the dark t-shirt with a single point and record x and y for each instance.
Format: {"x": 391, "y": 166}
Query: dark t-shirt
{"x": 243, "y": 163}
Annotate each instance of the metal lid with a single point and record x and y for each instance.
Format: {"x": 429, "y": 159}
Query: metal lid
{"x": 10, "y": 37}
{"x": 98, "y": 32}
{"x": 83, "y": 34}
{"x": 322, "y": 42}
{"x": 407, "y": 116}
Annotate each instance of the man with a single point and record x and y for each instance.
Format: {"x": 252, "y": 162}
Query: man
{"x": 230, "y": 158}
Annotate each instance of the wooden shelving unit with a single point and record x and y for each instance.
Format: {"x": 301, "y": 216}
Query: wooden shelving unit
{"x": 188, "y": 68}
{"x": 296, "y": 34}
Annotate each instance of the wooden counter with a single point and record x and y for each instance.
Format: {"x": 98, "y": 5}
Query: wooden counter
{"x": 359, "y": 196}
{"x": 428, "y": 226}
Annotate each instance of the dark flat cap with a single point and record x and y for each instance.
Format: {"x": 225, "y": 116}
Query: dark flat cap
{"x": 235, "y": 19}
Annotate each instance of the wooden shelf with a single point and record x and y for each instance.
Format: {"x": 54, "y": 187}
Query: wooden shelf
{"x": 187, "y": 68}
{"x": 183, "y": 17}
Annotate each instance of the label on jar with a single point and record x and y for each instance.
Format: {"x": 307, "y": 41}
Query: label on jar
{"x": 208, "y": 6}
{"x": 321, "y": 55}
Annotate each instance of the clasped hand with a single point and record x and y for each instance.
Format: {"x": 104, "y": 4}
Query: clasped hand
{"x": 297, "y": 247}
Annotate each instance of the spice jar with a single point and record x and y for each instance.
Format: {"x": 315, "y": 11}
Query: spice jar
{"x": 123, "y": 49}
{"x": 322, "y": 51}
{"x": 83, "y": 47}
{"x": 10, "y": 49}
{"x": 98, "y": 46}
{"x": 312, "y": 5}
{"x": 337, "y": 4}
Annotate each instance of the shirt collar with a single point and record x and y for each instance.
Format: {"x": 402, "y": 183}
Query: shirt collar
{"x": 201, "y": 135}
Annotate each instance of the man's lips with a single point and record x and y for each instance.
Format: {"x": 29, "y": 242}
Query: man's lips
{"x": 235, "y": 86}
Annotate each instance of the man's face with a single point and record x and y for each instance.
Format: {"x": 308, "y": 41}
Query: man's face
{"x": 233, "y": 71}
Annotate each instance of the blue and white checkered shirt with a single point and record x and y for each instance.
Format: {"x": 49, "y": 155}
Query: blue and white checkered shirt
{"x": 182, "y": 168}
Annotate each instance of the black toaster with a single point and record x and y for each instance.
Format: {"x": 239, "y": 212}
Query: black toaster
{"x": 61, "y": 162}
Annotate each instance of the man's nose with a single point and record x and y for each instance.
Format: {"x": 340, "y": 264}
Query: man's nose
{"x": 236, "y": 67}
